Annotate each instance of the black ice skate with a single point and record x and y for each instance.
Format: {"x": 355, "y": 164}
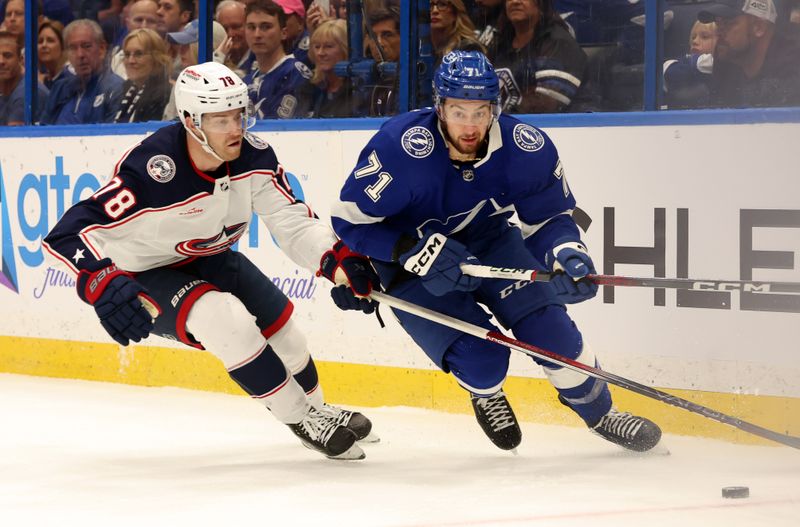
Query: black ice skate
{"x": 321, "y": 432}
{"x": 497, "y": 419}
{"x": 630, "y": 431}
{"x": 354, "y": 421}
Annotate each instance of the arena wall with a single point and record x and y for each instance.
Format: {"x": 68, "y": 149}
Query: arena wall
{"x": 703, "y": 198}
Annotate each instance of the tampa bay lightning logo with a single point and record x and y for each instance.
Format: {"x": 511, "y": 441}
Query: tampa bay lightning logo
{"x": 214, "y": 245}
{"x": 418, "y": 142}
{"x": 528, "y": 138}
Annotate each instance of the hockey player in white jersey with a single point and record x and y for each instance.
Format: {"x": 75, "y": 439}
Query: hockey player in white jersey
{"x": 437, "y": 188}
{"x": 161, "y": 230}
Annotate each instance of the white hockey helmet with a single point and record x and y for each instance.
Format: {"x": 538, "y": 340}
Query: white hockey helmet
{"x": 207, "y": 88}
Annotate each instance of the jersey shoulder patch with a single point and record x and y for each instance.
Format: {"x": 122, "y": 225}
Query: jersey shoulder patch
{"x": 161, "y": 168}
{"x": 255, "y": 141}
{"x": 418, "y": 142}
{"x": 527, "y": 138}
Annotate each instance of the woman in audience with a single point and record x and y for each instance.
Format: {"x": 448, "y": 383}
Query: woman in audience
{"x": 540, "y": 65}
{"x": 147, "y": 89}
{"x": 451, "y": 28}
{"x": 329, "y": 95}
{"x": 52, "y": 56}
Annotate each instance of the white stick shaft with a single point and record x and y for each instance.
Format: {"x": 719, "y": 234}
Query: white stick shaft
{"x": 485, "y": 271}
{"x": 435, "y": 316}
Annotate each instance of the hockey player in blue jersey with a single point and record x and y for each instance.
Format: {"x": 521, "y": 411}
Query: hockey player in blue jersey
{"x": 162, "y": 229}
{"x": 436, "y": 188}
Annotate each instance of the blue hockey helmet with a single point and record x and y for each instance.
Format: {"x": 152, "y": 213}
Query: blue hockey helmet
{"x": 466, "y": 75}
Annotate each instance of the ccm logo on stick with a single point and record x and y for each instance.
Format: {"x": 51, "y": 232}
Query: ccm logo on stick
{"x": 728, "y": 286}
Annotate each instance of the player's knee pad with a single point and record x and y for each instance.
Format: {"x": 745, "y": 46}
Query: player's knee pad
{"x": 291, "y": 346}
{"x": 478, "y": 365}
{"x": 551, "y": 329}
{"x": 222, "y": 324}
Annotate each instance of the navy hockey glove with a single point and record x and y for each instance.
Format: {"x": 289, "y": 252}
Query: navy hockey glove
{"x": 575, "y": 262}
{"x": 437, "y": 260}
{"x": 353, "y": 278}
{"x": 114, "y": 294}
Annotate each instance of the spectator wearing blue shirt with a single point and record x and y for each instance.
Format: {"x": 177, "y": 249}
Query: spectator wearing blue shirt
{"x": 12, "y": 85}
{"x": 52, "y": 56}
{"x": 274, "y": 85}
{"x": 87, "y": 97}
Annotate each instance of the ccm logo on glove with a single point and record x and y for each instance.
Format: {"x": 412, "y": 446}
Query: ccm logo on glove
{"x": 421, "y": 262}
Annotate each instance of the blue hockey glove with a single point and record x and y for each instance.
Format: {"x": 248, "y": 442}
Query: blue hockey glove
{"x": 437, "y": 259}
{"x": 353, "y": 278}
{"x": 574, "y": 261}
{"x": 114, "y": 294}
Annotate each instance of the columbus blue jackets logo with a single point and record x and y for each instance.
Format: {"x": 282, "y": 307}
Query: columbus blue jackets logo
{"x": 418, "y": 142}
{"x": 214, "y": 245}
{"x": 528, "y": 138}
{"x": 161, "y": 168}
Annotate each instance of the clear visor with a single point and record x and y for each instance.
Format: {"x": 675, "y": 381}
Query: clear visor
{"x": 229, "y": 122}
{"x": 460, "y": 115}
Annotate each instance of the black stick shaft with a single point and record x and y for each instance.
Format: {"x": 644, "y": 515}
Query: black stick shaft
{"x": 533, "y": 351}
{"x": 747, "y": 286}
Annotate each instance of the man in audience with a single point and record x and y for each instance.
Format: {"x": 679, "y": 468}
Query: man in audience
{"x": 87, "y": 97}
{"x": 174, "y": 15}
{"x": 230, "y": 14}
{"x": 272, "y": 86}
{"x": 12, "y": 85}
{"x": 14, "y": 20}
{"x": 754, "y": 65}
{"x": 384, "y": 24}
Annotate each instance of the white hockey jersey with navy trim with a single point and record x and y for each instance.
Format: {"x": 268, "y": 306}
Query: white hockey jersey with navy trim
{"x": 158, "y": 209}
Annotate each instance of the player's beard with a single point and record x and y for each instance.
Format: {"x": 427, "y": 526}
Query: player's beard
{"x": 465, "y": 150}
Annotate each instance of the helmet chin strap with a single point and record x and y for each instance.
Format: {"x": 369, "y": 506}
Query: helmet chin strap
{"x": 203, "y": 140}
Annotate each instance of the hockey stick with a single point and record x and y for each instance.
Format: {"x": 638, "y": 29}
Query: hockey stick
{"x": 748, "y": 286}
{"x": 533, "y": 351}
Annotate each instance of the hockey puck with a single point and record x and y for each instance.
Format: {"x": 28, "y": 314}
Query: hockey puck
{"x": 735, "y": 492}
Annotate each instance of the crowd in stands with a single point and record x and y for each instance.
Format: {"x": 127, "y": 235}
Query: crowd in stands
{"x": 116, "y": 60}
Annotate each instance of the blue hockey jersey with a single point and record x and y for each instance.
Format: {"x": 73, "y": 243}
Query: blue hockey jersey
{"x": 405, "y": 184}
{"x": 273, "y": 93}
{"x": 158, "y": 209}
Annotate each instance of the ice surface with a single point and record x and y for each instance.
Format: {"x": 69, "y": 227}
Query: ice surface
{"x": 96, "y": 454}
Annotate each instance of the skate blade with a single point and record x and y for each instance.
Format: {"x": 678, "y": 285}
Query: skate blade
{"x": 372, "y": 437}
{"x": 353, "y": 453}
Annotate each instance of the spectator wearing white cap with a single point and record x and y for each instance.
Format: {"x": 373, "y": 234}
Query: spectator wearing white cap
{"x": 754, "y": 65}
{"x": 187, "y": 44}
